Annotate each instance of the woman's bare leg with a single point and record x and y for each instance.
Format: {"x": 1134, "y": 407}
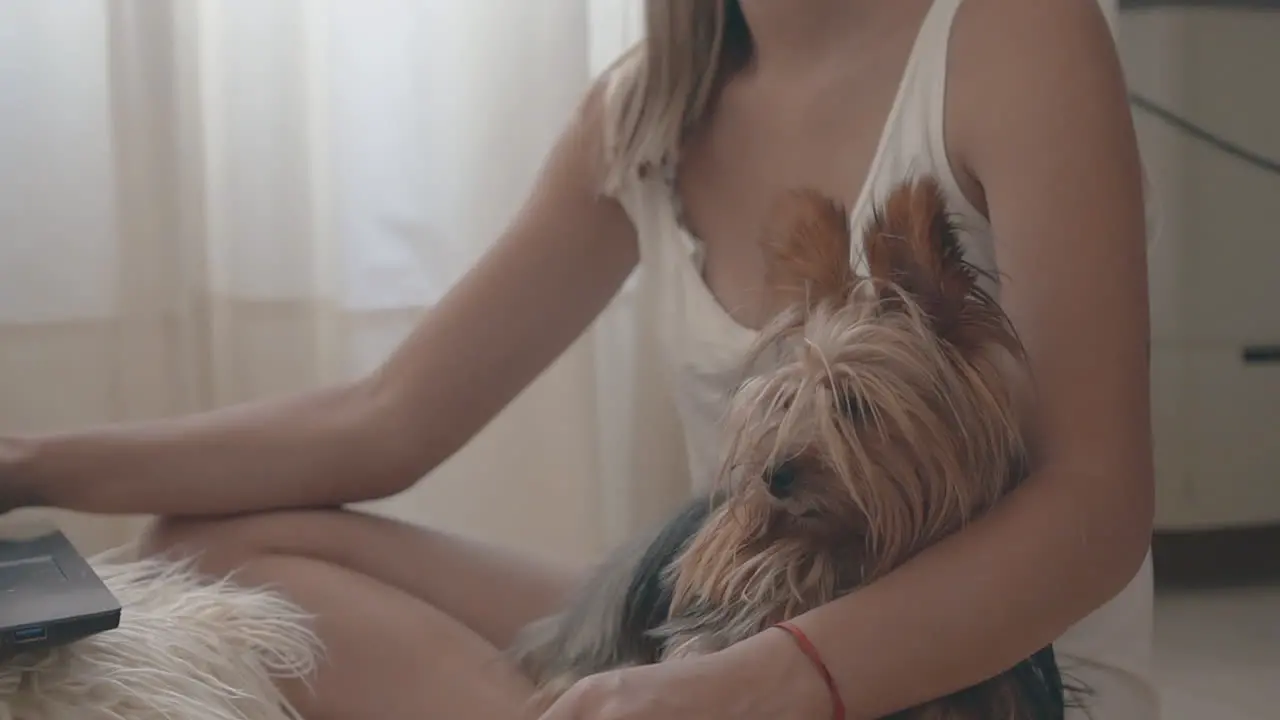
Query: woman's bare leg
{"x": 412, "y": 620}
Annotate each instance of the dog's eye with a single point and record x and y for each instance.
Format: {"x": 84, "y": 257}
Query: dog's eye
{"x": 781, "y": 479}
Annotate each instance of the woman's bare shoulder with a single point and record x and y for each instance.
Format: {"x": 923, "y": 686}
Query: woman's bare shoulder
{"x": 1011, "y": 61}
{"x": 1002, "y": 25}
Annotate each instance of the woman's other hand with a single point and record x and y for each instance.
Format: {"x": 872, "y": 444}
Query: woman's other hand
{"x": 764, "y": 678}
{"x": 15, "y": 491}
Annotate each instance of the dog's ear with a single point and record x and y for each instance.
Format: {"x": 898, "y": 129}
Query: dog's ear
{"x": 807, "y": 246}
{"x": 913, "y": 248}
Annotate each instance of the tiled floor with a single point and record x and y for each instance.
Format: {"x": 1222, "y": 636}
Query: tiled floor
{"x": 1218, "y": 654}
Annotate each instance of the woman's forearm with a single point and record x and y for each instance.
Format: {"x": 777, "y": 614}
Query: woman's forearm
{"x": 983, "y": 600}
{"x": 321, "y": 448}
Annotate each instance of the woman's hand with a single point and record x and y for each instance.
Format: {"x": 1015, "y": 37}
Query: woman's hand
{"x": 17, "y": 488}
{"x": 15, "y": 492}
{"x": 765, "y": 677}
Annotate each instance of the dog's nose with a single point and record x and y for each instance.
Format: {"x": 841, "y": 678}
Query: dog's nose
{"x": 781, "y": 480}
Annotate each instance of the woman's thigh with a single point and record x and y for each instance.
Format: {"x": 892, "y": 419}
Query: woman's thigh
{"x": 492, "y": 591}
{"x": 388, "y": 654}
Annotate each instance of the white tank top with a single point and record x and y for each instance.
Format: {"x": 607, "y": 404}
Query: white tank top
{"x": 703, "y": 346}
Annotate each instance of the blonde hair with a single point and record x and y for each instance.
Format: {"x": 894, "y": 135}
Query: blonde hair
{"x": 663, "y": 86}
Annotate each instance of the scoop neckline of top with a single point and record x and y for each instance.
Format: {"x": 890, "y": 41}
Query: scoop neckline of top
{"x": 693, "y": 273}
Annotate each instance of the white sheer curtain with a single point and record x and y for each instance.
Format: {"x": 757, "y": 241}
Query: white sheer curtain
{"x": 206, "y": 201}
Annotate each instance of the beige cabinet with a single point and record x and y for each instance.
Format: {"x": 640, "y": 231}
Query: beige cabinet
{"x": 1215, "y": 262}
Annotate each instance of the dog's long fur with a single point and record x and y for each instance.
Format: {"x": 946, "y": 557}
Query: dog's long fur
{"x": 878, "y": 417}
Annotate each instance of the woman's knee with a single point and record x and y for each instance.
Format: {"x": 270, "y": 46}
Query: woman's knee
{"x": 184, "y": 538}
{"x": 218, "y": 543}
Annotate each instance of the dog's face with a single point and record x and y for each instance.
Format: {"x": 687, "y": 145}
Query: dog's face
{"x": 878, "y": 416}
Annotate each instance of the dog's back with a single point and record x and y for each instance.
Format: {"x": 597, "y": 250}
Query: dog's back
{"x": 609, "y": 620}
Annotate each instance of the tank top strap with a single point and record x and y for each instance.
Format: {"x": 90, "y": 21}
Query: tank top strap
{"x": 919, "y": 134}
{"x": 932, "y": 79}
{"x": 913, "y": 142}
{"x": 934, "y": 34}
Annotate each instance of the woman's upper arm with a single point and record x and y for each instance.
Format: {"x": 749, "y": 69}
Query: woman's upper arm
{"x": 560, "y": 260}
{"x": 1045, "y": 130}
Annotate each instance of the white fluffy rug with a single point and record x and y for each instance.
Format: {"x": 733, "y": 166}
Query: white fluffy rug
{"x": 187, "y": 649}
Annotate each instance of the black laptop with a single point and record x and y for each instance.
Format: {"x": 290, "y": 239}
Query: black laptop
{"x": 48, "y": 593}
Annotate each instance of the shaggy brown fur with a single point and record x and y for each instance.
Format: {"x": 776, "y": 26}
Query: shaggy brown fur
{"x": 878, "y": 418}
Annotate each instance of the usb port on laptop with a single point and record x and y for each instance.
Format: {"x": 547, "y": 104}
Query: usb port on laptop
{"x": 36, "y": 633}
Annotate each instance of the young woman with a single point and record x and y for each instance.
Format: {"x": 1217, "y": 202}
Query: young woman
{"x": 1018, "y": 107}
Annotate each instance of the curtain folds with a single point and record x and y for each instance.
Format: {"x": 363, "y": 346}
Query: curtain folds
{"x": 211, "y": 201}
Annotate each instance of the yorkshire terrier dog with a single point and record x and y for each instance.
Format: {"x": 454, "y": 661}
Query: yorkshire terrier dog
{"x": 879, "y": 416}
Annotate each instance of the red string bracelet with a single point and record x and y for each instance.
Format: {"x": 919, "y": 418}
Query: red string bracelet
{"x": 811, "y": 652}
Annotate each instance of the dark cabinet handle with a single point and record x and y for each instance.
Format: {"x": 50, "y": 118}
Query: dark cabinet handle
{"x": 1261, "y": 355}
